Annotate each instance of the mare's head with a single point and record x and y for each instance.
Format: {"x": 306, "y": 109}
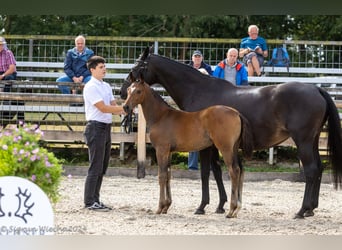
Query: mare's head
{"x": 136, "y": 95}
{"x": 136, "y": 72}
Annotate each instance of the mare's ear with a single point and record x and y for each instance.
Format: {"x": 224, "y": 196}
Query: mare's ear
{"x": 130, "y": 77}
{"x": 145, "y": 53}
{"x": 141, "y": 77}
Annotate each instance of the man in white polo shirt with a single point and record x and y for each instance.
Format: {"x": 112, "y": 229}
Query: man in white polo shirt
{"x": 99, "y": 105}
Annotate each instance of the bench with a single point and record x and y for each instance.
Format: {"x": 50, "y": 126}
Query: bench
{"x": 307, "y": 75}
{"x": 34, "y": 70}
{"x": 67, "y": 126}
{"x": 53, "y": 70}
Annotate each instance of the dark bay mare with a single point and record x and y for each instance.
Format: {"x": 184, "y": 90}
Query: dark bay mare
{"x": 275, "y": 113}
{"x": 170, "y": 131}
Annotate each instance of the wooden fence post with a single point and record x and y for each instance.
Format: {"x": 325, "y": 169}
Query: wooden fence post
{"x": 141, "y": 144}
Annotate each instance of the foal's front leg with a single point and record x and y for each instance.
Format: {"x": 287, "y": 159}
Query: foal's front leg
{"x": 164, "y": 176}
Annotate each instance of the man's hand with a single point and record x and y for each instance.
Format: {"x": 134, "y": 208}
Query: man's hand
{"x": 77, "y": 79}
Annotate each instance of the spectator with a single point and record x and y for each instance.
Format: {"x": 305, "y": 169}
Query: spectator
{"x": 99, "y": 105}
{"x": 198, "y": 63}
{"x": 253, "y": 50}
{"x": 231, "y": 69}
{"x": 7, "y": 62}
{"x": 8, "y": 71}
{"x": 75, "y": 65}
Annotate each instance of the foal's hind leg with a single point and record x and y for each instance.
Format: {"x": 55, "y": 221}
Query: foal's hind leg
{"x": 237, "y": 162}
{"x": 236, "y": 176}
{"x": 164, "y": 176}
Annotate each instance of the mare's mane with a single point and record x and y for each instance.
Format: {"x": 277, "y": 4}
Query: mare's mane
{"x": 188, "y": 67}
{"x": 192, "y": 72}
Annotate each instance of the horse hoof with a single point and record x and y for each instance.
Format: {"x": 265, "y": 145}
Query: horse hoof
{"x": 199, "y": 211}
{"x": 309, "y": 213}
{"x": 220, "y": 210}
{"x": 230, "y": 216}
{"x": 298, "y": 216}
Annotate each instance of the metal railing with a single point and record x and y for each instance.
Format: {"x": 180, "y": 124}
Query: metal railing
{"x": 320, "y": 54}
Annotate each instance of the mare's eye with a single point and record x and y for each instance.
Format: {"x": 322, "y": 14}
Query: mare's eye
{"x": 138, "y": 91}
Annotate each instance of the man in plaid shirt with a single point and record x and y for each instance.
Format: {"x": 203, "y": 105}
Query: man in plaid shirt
{"x": 8, "y": 72}
{"x": 7, "y": 62}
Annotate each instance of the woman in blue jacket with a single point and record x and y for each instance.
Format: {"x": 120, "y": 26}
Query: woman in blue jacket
{"x": 231, "y": 69}
{"x": 75, "y": 65}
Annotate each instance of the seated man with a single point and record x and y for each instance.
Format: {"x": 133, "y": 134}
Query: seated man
{"x": 75, "y": 65}
{"x": 253, "y": 49}
{"x": 231, "y": 69}
{"x": 8, "y": 71}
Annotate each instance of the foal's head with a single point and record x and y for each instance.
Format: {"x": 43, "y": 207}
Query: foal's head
{"x": 136, "y": 95}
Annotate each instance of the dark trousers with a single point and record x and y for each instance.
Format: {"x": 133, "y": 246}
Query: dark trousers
{"x": 6, "y": 116}
{"x": 98, "y": 139}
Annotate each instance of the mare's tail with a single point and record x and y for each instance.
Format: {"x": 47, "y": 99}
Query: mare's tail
{"x": 334, "y": 138}
{"x": 247, "y": 141}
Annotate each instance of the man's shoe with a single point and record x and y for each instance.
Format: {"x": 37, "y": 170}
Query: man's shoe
{"x": 193, "y": 168}
{"x": 97, "y": 207}
{"x": 105, "y": 206}
{"x": 76, "y": 104}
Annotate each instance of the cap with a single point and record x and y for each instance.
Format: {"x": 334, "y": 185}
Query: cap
{"x": 2, "y": 40}
{"x": 197, "y": 53}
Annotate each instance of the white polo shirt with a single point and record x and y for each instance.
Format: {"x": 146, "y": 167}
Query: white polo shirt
{"x": 95, "y": 91}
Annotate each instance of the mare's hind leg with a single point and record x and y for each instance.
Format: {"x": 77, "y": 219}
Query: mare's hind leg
{"x": 217, "y": 171}
{"x": 164, "y": 176}
{"x": 313, "y": 169}
{"x": 205, "y": 156}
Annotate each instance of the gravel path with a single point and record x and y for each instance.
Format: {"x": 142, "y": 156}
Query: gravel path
{"x": 268, "y": 209}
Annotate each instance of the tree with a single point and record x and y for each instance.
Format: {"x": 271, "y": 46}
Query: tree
{"x": 220, "y": 26}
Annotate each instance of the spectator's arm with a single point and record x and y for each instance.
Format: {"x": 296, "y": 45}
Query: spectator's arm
{"x": 243, "y": 52}
{"x": 68, "y": 66}
{"x": 11, "y": 70}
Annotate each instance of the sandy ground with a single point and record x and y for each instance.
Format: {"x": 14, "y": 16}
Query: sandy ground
{"x": 268, "y": 209}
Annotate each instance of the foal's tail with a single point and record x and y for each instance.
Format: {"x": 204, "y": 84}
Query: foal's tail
{"x": 247, "y": 142}
{"x": 334, "y": 138}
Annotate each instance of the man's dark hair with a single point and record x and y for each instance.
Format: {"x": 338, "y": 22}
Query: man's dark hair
{"x": 94, "y": 61}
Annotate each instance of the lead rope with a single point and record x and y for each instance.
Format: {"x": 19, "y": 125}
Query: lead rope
{"x": 127, "y": 122}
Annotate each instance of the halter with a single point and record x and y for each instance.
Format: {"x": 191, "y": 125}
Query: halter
{"x": 140, "y": 68}
{"x": 130, "y": 118}
{"x": 128, "y": 121}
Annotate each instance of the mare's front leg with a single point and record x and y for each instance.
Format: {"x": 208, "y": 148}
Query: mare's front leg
{"x": 164, "y": 177}
{"x": 217, "y": 171}
{"x": 205, "y": 156}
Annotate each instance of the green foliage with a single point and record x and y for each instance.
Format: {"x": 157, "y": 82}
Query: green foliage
{"x": 21, "y": 155}
{"x": 179, "y": 157}
{"x": 71, "y": 155}
{"x": 297, "y": 27}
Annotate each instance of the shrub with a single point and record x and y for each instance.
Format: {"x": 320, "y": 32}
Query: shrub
{"x": 21, "y": 155}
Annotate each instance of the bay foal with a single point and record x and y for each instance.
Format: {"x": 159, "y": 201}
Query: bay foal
{"x": 174, "y": 130}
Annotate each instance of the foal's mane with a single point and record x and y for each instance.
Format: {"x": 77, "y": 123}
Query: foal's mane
{"x": 157, "y": 96}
